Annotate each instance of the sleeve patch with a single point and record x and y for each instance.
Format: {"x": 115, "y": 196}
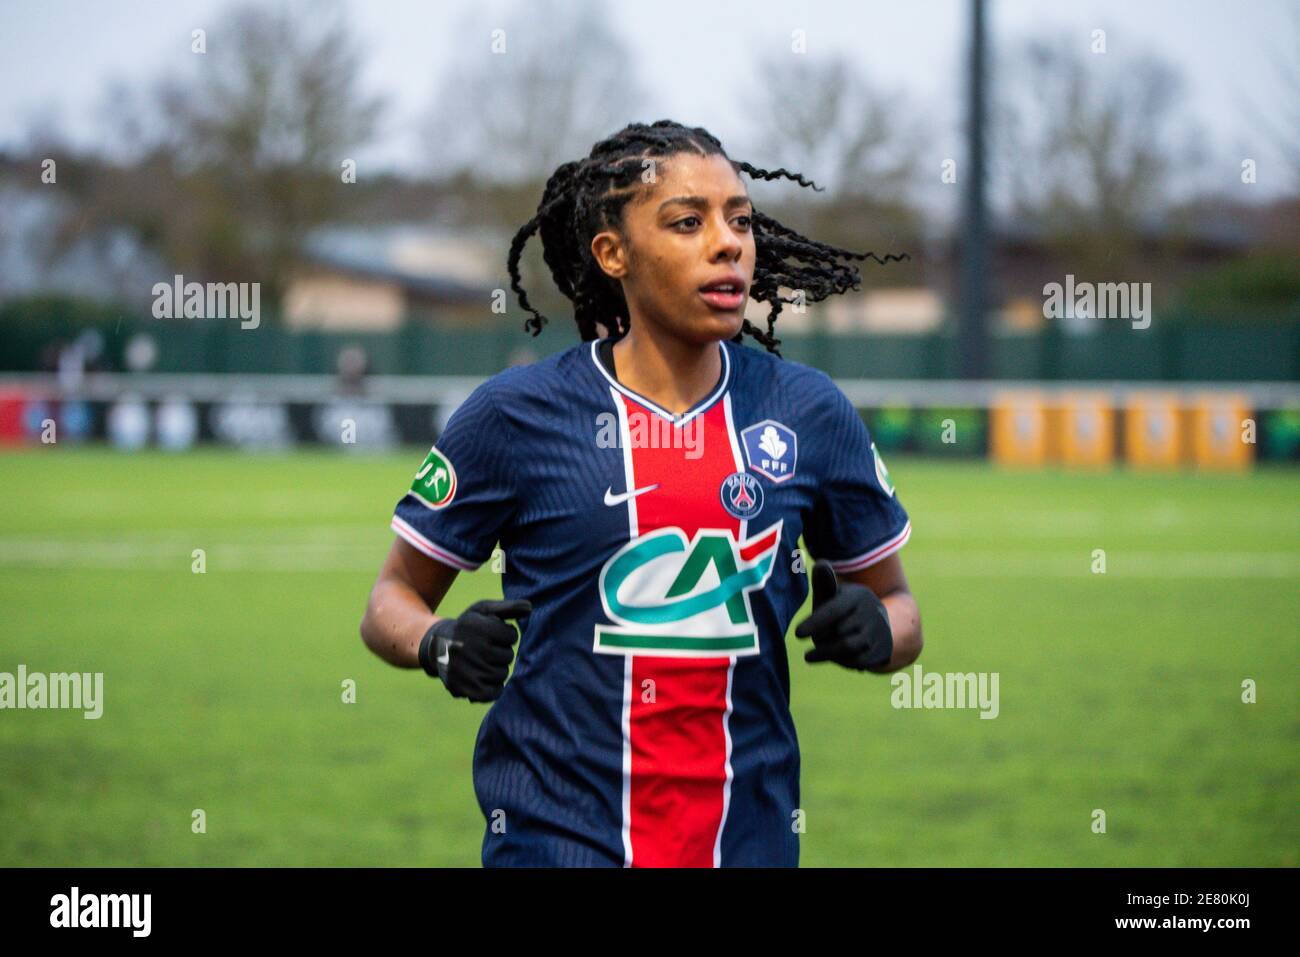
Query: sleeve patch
{"x": 882, "y": 473}
{"x": 435, "y": 483}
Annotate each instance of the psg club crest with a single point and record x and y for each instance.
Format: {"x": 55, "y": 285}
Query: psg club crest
{"x": 742, "y": 496}
{"x": 770, "y": 449}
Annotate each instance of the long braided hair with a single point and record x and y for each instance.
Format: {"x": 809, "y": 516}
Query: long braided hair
{"x": 587, "y": 196}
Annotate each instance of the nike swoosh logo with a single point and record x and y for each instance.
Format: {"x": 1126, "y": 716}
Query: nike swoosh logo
{"x": 444, "y": 658}
{"x": 618, "y": 498}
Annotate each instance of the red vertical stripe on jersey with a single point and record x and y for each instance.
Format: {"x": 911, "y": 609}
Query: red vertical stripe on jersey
{"x": 678, "y": 742}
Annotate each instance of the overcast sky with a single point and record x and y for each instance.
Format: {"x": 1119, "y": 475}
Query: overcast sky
{"x": 695, "y": 57}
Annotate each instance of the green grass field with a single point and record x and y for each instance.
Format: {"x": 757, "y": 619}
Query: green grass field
{"x": 1119, "y": 691}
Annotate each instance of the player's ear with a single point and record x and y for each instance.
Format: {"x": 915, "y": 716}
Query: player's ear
{"x": 610, "y": 251}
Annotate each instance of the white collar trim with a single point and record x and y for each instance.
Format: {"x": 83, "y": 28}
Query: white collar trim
{"x": 702, "y": 406}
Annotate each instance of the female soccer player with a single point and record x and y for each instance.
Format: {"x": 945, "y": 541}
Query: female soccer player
{"x": 648, "y": 488}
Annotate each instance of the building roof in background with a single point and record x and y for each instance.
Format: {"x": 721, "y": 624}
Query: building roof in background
{"x": 430, "y": 262}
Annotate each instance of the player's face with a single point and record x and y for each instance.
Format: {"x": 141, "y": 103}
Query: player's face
{"x": 688, "y": 230}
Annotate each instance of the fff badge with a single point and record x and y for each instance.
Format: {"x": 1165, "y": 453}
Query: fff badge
{"x": 771, "y": 450}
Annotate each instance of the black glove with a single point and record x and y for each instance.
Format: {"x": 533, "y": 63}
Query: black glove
{"x": 472, "y": 653}
{"x": 848, "y": 625}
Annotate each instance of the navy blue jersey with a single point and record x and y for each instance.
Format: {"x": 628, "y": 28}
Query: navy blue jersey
{"x": 647, "y": 719}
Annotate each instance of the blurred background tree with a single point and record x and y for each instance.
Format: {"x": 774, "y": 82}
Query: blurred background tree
{"x": 823, "y": 118}
{"x": 1087, "y": 146}
{"x": 234, "y": 162}
{"x": 491, "y": 164}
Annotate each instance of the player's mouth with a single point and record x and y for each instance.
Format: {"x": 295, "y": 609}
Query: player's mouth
{"x": 725, "y": 293}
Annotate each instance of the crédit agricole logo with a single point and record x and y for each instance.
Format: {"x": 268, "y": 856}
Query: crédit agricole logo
{"x": 670, "y": 596}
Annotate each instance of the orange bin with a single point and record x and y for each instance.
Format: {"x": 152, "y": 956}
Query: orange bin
{"x": 1018, "y": 430}
{"x": 1218, "y": 427}
{"x": 1153, "y": 431}
{"x": 1086, "y": 430}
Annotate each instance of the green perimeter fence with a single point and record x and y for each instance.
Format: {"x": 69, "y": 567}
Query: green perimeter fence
{"x": 1183, "y": 350}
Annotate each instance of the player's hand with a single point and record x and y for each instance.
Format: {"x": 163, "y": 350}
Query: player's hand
{"x": 848, "y": 625}
{"x": 472, "y": 653}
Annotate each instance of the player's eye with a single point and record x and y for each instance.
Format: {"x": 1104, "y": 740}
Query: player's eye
{"x": 745, "y": 222}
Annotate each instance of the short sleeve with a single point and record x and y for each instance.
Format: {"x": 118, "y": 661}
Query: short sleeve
{"x": 856, "y": 519}
{"x": 463, "y": 494}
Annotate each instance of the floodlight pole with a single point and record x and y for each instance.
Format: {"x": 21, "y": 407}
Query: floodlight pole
{"x": 972, "y": 337}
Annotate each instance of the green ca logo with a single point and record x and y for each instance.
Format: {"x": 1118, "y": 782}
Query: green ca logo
{"x": 657, "y": 591}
